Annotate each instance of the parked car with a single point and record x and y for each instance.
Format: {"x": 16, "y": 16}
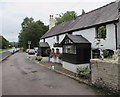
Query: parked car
{"x": 27, "y": 50}
{"x": 17, "y": 49}
{"x": 36, "y": 49}
{"x": 31, "y": 52}
{"x": 13, "y": 50}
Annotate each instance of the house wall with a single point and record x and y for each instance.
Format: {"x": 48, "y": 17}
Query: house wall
{"x": 73, "y": 67}
{"x": 90, "y": 34}
{"x": 61, "y": 37}
{"x": 41, "y": 40}
{"x": 52, "y": 40}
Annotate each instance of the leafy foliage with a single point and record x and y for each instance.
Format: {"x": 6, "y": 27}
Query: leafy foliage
{"x": 31, "y": 31}
{"x": 65, "y": 16}
{"x": 102, "y": 32}
{"x": 83, "y": 71}
{"x": 4, "y": 43}
{"x": 107, "y": 53}
{"x": 39, "y": 58}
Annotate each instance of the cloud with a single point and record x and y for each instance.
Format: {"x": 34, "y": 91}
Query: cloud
{"x": 55, "y": 1}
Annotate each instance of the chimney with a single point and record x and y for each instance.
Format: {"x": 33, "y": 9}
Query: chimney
{"x": 52, "y": 22}
{"x": 117, "y": 0}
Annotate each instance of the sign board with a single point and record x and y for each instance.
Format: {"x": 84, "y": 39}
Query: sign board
{"x": 29, "y": 42}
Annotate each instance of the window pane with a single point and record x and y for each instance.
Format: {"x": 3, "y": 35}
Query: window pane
{"x": 69, "y": 49}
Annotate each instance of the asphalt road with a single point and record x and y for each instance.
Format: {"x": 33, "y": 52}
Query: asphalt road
{"x": 21, "y": 76}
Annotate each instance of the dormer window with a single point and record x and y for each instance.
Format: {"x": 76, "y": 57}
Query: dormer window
{"x": 101, "y": 32}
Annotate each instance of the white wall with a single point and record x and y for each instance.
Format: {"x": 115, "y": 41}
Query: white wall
{"x": 41, "y": 40}
{"x": 73, "y": 67}
{"x": 52, "y": 40}
{"x": 90, "y": 34}
{"x": 61, "y": 37}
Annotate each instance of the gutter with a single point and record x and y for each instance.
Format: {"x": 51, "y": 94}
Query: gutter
{"x": 116, "y": 36}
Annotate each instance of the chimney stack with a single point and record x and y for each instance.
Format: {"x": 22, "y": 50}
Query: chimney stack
{"x": 117, "y": 0}
{"x": 52, "y": 22}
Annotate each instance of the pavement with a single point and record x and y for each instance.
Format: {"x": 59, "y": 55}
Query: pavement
{"x": 4, "y": 55}
{"x": 21, "y": 76}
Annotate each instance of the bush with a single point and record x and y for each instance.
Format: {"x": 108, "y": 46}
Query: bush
{"x": 60, "y": 56}
{"x": 39, "y": 58}
{"x": 22, "y": 49}
{"x": 83, "y": 71}
{"x": 108, "y": 53}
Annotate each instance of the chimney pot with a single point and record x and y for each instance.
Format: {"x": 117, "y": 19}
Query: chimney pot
{"x": 117, "y": 1}
{"x": 52, "y": 22}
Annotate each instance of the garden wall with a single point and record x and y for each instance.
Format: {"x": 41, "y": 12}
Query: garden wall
{"x": 106, "y": 72}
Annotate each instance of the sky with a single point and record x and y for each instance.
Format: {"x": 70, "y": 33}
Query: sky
{"x": 12, "y": 12}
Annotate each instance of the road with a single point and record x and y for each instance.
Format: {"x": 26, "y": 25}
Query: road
{"x": 21, "y": 76}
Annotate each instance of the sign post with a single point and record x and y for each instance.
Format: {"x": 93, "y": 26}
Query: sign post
{"x": 29, "y": 43}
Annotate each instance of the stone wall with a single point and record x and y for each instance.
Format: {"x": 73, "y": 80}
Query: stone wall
{"x": 106, "y": 72}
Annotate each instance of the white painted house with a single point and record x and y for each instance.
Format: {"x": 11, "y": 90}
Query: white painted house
{"x": 87, "y": 25}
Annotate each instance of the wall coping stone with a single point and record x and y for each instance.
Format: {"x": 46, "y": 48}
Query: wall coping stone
{"x": 114, "y": 60}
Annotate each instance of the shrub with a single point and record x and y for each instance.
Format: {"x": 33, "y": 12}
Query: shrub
{"x": 83, "y": 71}
{"x": 22, "y": 49}
{"x": 60, "y": 56}
{"x": 39, "y": 58}
{"x": 107, "y": 53}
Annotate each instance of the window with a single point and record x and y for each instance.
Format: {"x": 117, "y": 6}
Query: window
{"x": 57, "y": 51}
{"x": 71, "y": 49}
{"x": 53, "y": 50}
{"x": 67, "y": 41}
{"x": 44, "y": 40}
{"x": 101, "y": 32}
{"x": 96, "y": 53}
{"x": 57, "y": 39}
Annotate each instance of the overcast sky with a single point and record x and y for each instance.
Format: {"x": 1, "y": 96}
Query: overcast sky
{"x": 12, "y": 12}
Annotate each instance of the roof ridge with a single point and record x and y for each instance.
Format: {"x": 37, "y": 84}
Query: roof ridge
{"x": 88, "y": 12}
{"x": 98, "y": 8}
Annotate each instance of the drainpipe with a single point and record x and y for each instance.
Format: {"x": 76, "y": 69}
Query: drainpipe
{"x": 116, "y": 36}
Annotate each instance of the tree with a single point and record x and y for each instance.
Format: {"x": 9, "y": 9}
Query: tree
{"x": 31, "y": 31}
{"x": 3, "y": 43}
{"x": 65, "y": 16}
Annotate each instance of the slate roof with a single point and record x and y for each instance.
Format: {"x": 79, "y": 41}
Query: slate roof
{"x": 76, "y": 38}
{"x": 103, "y": 14}
{"x": 43, "y": 44}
